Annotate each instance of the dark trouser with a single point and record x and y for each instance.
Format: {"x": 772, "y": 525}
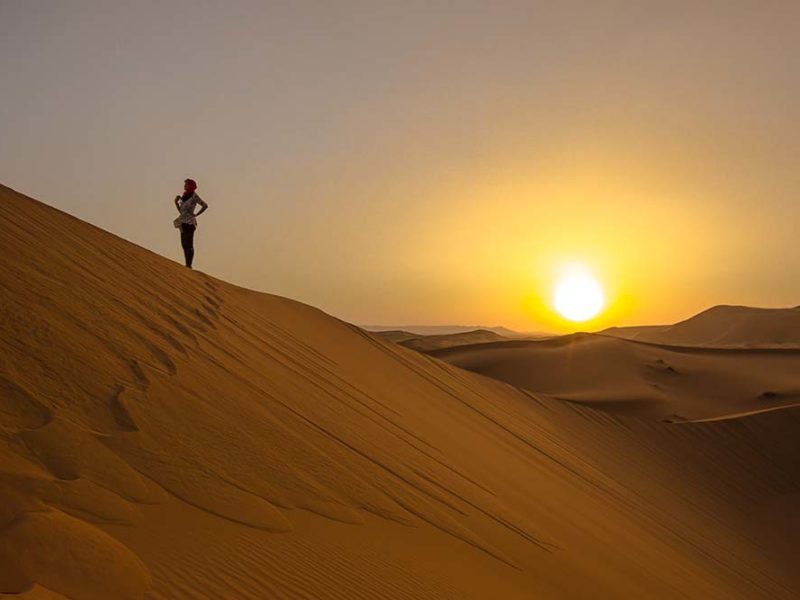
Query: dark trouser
{"x": 187, "y": 241}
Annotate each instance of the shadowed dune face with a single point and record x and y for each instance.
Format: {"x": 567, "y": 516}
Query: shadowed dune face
{"x": 645, "y": 380}
{"x": 165, "y": 434}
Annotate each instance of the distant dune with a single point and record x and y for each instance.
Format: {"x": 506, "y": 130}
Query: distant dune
{"x": 446, "y": 330}
{"x": 398, "y": 336}
{"x": 725, "y": 326}
{"x": 424, "y": 343}
{"x": 164, "y": 434}
{"x": 641, "y": 379}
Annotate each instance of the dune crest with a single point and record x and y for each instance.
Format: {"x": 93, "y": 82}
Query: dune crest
{"x": 724, "y": 326}
{"x": 426, "y": 343}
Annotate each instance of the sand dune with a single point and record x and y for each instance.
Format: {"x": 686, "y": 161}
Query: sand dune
{"x": 725, "y": 326}
{"x": 164, "y": 434}
{"x": 641, "y": 379}
{"x": 425, "y": 343}
{"x": 398, "y": 336}
{"x": 428, "y": 330}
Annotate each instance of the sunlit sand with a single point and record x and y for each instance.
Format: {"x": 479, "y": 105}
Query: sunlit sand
{"x": 165, "y": 434}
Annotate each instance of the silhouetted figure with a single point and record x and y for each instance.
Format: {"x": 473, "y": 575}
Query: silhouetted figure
{"x": 187, "y": 221}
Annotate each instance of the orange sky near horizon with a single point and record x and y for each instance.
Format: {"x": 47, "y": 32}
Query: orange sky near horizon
{"x": 426, "y": 162}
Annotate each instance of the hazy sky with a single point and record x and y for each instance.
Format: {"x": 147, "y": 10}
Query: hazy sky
{"x": 425, "y": 162}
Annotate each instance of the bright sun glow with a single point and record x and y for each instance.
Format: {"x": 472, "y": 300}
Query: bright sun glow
{"x": 578, "y": 295}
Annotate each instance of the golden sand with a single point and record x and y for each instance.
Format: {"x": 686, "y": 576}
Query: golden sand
{"x": 164, "y": 434}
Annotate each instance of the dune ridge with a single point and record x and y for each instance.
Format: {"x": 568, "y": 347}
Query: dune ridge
{"x": 724, "y": 325}
{"x": 426, "y": 343}
{"x": 164, "y": 434}
{"x": 642, "y": 379}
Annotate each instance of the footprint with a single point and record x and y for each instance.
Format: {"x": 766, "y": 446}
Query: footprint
{"x": 19, "y": 410}
{"x": 204, "y": 318}
{"x": 119, "y": 411}
{"x": 141, "y": 379}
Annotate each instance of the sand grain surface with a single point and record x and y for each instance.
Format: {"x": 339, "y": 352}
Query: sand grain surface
{"x": 164, "y": 434}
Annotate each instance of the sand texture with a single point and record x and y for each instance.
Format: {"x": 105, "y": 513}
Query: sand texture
{"x": 164, "y": 434}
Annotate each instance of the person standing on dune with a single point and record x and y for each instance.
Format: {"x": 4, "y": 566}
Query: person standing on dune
{"x": 187, "y": 219}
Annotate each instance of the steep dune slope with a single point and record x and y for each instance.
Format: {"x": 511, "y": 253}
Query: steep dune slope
{"x": 641, "y": 379}
{"x": 164, "y": 434}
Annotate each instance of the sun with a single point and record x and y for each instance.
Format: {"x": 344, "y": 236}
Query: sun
{"x": 578, "y": 295}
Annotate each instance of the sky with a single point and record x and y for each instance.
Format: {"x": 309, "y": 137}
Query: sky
{"x": 426, "y": 162}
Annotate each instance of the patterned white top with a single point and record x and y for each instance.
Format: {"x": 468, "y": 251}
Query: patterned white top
{"x": 187, "y": 210}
